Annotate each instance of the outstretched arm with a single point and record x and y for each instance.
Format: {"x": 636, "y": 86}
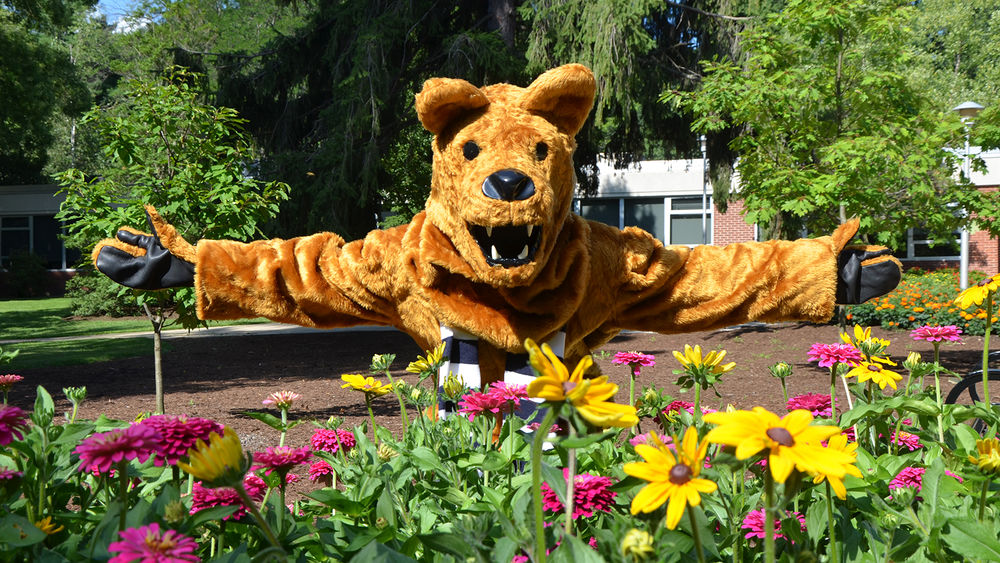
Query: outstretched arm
{"x": 676, "y": 289}
{"x": 313, "y": 281}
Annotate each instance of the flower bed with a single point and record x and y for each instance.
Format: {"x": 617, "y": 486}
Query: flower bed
{"x": 879, "y": 469}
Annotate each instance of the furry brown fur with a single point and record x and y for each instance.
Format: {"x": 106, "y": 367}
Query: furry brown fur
{"x": 586, "y": 278}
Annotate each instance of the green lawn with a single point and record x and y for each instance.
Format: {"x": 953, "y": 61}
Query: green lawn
{"x": 35, "y": 355}
{"x": 47, "y": 318}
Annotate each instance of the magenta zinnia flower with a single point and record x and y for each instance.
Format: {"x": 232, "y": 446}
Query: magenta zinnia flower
{"x": 13, "y": 422}
{"x": 282, "y": 458}
{"x": 7, "y": 381}
{"x": 281, "y": 399}
{"x": 150, "y": 544}
{"x": 326, "y": 440}
{"x": 8, "y": 474}
{"x": 101, "y": 451}
{"x": 817, "y": 404}
{"x": 319, "y": 470}
{"x": 178, "y": 434}
{"x": 634, "y": 360}
{"x": 910, "y": 441}
{"x": 755, "y": 523}
{"x": 929, "y": 333}
{"x": 829, "y": 354}
{"x": 475, "y": 404}
{"x": 590, "y": 494}
{"x": 913, "y": 477}
{"x": 509, "y": 394}
{"x": 644, "y": 439}
{"x": 202, "y": 497}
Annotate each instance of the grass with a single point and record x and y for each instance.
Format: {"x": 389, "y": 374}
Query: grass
{"x": 37, "y": 355}
{"x": 22, "y": 319}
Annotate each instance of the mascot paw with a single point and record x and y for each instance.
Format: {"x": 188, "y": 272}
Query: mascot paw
{"x": 866, "y": 272}
{"x": 139, "y": 260}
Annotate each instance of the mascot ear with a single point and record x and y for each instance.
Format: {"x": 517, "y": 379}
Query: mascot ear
{"x": 444, "y": 99}
{"x": 563, "y": 95}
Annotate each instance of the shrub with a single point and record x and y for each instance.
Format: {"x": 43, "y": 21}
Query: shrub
{"x": 26, "y": 276}
{"x": 95, "y": 295}
{"x": 922, "y": 298}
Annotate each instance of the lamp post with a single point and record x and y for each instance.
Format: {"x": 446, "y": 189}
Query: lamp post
{"x": 967, "y": 112}
{"x": 704, "y": 188}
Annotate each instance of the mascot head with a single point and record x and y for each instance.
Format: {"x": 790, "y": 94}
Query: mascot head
{"x": 503, "y": 175}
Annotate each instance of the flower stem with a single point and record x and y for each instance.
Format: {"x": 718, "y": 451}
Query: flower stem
{"x": 631, "y": 395}
{"x": 536, "y": 479}
{"x": 402, "y": 406}
{"x": 122, "y": 493}
{"x": 697, "y": 405}
{"x": 769, "y": 516}
{"x": 833, "y": 391}
{"x": 834, "y": 550}
{"x": 937, "y": 393}
{"x": 986, "y": 348}
{"x": 371, "y": 416}
{"x": 982, "y": 499}
{"x": 570, "y": 484}
{"x": 252, "y": 507}
{"x": 696, "y": 535}
{"x": 284, "y": 426}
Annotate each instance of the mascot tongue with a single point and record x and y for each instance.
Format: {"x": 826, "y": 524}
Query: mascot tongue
{"x": 507, "y": 246}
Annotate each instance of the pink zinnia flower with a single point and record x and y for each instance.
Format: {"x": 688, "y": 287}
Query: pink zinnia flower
{"x": 534, "y": 426}
{"x": 634, "y": 360}
{"x": 910, "y": 441}
{"x": 319, "y": 470}
{"x": 590, "y": 494}
{"x": 178, "y": 434}
{"x": 282, "y": 458}
{"x": 829, "y": 354}
{"x": 101, "y": 451}
{"x": 150, "y": 544}
{"x": 817, "y": 404}
{"x": 645, "y": 438}
{"x": 476, "y": 404}
{"x": 509, "y": 394}
{"x": 326, "y": 440}
{"x": 8, "y": 474}
{"x": 937, "y": 333}
{"x": 281, "y": 399}
{"x": 13, "y": 422}
{"x": 7, "y": 381}
{"x": 755, "y": 523}
{"x": 202, "y": 497}
{"x": 913, "y": 477}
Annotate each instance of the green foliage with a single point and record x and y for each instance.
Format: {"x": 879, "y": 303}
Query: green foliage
{"x": 188, "y": 159}
{"x": 922, "y": 298}
{"x": 829, "y": 127}
{"x": 95, "y": 295}
{"x": 26, "y": 276}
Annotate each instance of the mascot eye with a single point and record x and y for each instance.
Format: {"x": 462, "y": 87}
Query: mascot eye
{"x": 541, "y": 151}
{"x": 470, "y": 150}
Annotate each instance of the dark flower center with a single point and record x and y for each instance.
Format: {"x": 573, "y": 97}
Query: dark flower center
{"x": 680, "y": 474}
{"x": 781, "y": 436}
{"x": 874, "y": 367}
{"x": 984, "y": 282}
{"x": 568, "y": 386}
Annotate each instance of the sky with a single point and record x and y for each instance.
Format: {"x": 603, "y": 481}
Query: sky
{"x": 115, "y": 9}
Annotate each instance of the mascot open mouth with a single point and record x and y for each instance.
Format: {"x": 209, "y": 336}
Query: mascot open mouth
{"x": 507, "y": 246}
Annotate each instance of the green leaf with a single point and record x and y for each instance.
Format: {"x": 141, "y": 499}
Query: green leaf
{"x": 338, "y": 501}
{"x": 586, "y": 440}
{"x": 267, "y": 418}
{"x": 375, "y": 552}
{"x": 494, "y": 461}
{"x": 556, "y": 481}
{"x": 425, "y": 459}
{"x": 44, "y": 408}
{"x": 973, "y": 540}
{"x": 17, "y": 531}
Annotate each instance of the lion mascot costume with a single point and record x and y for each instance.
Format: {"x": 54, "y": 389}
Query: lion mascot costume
{"x": 498, "y": 257}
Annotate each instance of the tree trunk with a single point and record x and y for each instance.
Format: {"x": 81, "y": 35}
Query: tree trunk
{"x": 157, "y": 321}
{"x": 502, "y": 20}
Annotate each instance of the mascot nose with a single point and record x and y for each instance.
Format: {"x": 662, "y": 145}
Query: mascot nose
{"x": 508, "y": 185}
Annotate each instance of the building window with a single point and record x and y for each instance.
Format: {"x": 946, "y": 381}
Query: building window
{"x": 38, "y": 234}
{"x": 673, "y": 220}
{"x": 920, "y": 247}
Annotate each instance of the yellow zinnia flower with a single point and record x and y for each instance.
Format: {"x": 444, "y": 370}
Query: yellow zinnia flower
{"x": 872, "y": 369}
{"x": 988, "y": 460}
{"x": 588, "y": 396}
{"x": 670, "y": 479}
{"x": 839, "y": 443}
{"x": 976, "y": 294}
{"x": 791, "y": 441}
{"x": 691, "y": 360}
{"x": 864, "y": 341}
{"x": 427, "y": 365}
{"x": 48, "y": 526}
{"x": 367, "y": 385}
{"x": 220, "y": 462}
{"x": 637, "y": 544}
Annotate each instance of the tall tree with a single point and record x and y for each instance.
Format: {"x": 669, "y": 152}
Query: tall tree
{"x": 829, "y": 125}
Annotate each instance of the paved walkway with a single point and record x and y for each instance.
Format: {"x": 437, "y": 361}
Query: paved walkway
{"x": 231, "y": 330}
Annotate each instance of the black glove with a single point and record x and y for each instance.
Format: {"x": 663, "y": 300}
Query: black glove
{"x": 158, "y": 269}
{"x": 866, "y": 272}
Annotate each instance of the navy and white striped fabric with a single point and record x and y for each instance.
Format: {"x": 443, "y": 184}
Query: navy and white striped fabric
{"x": 461, "y": 352}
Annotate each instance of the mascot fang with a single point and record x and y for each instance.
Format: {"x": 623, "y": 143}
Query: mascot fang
{"x": 497, "y": 257}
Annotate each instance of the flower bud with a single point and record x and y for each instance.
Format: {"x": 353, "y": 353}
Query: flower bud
{"x": 385, "y": 452}
{"x": 175, "y": 512}
{"x": 454, "y": 386}
{"x": 637, "y": 545}
{"x": 912, "y": 361}
{"x": 781, "y": 370}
